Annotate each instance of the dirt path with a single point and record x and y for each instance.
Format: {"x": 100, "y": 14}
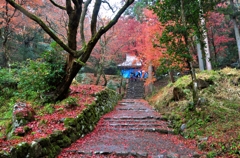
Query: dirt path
{"x": 132, "y": 129}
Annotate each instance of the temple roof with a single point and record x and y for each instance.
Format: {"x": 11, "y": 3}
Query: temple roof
{"x": 131, "y": 62}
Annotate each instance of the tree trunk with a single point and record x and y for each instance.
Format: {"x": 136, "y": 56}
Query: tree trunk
{"x": 236, "y": 30}
{"x": 195, "y": 85}
{"x": 5, "y": 58}
{"x": 171, "y": 76}
{"x": 193, "y": 74}
{"x": 120, "y": 86}
{"x": 150, "y": 78}
{"x": 200, "y": 57}
{"x": 62, "y": 90}
{"x": 99, "y": 73}
{"x": 207, "y": 52}
{"x": 105, "y": 79}
{"x": 76, "y": 58}
{"x": 206, "y": 49}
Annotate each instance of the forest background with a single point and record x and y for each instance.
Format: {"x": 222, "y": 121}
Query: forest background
{"x": 185, "y": 36}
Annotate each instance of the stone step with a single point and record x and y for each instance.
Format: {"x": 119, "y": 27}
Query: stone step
{"x": 135, "y": 90}
{"x": 134, "y": 118}
{"x": 127, "y": 154}
{"x": 120, "y": 121}
{"x": 135, "y": 124}
{"x": 159, "y": 130}
{"x": 107, "y": 153}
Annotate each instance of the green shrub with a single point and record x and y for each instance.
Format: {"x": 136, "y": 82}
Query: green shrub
{"x": 41, "y": 76}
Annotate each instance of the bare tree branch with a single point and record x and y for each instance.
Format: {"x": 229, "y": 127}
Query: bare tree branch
{"x": 117, "y": 16}
{"x": 96, "y": 9}
{"x": 57, "y": 5}
{"x": 84, "y": 12}
{"x": 44, "y": 27}
{"x": 51, "y": 27}
{"x": 103, "y": 30}
{"x": 108, "y": 5}
{"x": 69, "y": 6}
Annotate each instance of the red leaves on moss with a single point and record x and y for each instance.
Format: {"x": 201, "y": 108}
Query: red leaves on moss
{"x": 45, "y": 124}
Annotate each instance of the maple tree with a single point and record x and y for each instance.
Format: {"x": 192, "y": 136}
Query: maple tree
{"x": 148, "y": 51}
{"x": 6, "y": 17}
{"x": 108, "y": 50}
{"x": 77, "y": 54}
{"x": 20, "y": 37}
{"x": 218, "y": 31}
{"x": 231, "y": 9}
{"x": 141, "y": 35}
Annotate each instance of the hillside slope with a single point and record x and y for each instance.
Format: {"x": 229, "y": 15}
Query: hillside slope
{"x": 215, "y": 122}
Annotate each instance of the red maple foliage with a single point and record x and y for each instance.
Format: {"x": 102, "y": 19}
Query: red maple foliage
{"x": 45, "y": 124}
{"x": 218, "y": 31}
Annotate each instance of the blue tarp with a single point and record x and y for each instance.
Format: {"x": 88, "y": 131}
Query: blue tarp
{"x": 127, "y": 73}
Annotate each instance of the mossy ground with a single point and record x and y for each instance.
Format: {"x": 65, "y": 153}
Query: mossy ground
{"x": 216, "y": 122}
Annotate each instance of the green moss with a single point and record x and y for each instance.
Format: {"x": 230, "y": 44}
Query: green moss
{"x": 76, "y": 127}
{"x": 42, "y": 122}
{"x": 26, "y": 129}
{"x": 35, "y": 151}
{"x": 211, "y": 154}
{"x": 4, "y": 154}
{"x": 45, "y": 151}
{"x": 70, "y": 102}
{"x": 73, "y": 137}
{"x": 70, "y": 122}
{"x": 51, "y": 151}
{"x": 64, "y": 141}
{"x": 55, "y": 136}
{"x": 69, "y": 130}
{"x": 79, "y": 128}
{"x": 60, "y": 139}
{"x": 21, "y": 150}
{"x": 14, "y": 137}
{"x": 9, "y": 128}
{"x": 80, "y": 117}
{"x": 44, "y": 142}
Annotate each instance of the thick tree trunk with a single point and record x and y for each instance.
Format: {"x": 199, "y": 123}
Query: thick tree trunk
{"x": 77, "y": 58}
{"x": 62, "y": 90}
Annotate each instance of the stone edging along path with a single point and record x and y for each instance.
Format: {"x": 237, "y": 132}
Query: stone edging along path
{"x": 75, "y": 128}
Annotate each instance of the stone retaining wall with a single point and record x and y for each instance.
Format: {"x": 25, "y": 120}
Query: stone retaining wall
{"x": 75, "y": 128}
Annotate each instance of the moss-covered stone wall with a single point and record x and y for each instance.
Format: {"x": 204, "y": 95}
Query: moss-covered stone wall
{"x": 75, "y": 128}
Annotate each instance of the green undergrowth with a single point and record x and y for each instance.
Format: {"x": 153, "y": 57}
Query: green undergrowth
{"x": 215, "y": 123}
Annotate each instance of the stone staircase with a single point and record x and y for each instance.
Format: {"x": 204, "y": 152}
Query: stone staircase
{"x": 136, "y": 117}
{"x": 135, "y": 90}
{"x": 132, "y": 130}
